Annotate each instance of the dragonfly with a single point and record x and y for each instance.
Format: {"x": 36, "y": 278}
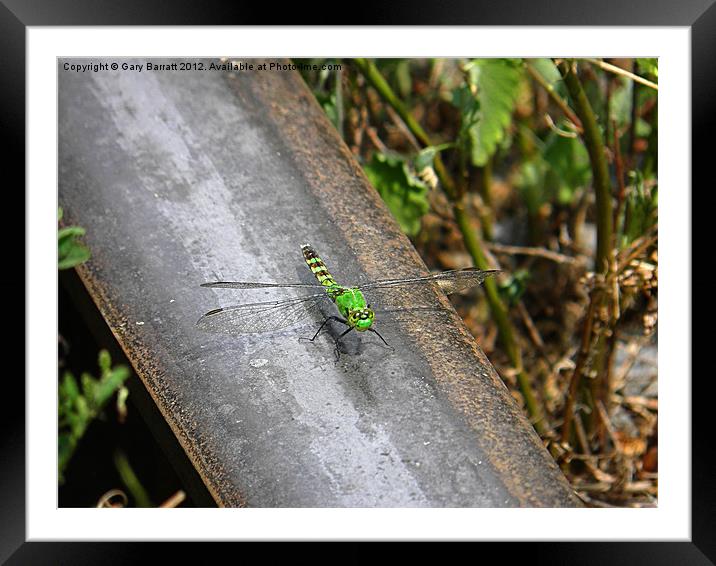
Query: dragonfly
{"x": 354, "y": 310}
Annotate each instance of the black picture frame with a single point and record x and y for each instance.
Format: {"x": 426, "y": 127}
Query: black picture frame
{"x": 17, "y": 15}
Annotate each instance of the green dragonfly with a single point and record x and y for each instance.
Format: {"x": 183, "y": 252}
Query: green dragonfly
{"x": 351, "y": 303}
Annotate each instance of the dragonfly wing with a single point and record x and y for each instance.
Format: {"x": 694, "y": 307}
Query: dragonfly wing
{"x": 261, "y": 317}
{"x": 255, "y": 285}
{"x": 398, "y": 314}
{"x": 465, "y": 280}
{"x": 449, "y": 281}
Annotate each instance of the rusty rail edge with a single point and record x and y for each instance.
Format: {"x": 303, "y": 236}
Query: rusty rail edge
{"x": 185, "y": 177}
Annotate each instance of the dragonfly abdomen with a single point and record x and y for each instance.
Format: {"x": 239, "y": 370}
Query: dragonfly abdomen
{"x": 316, "y": 265}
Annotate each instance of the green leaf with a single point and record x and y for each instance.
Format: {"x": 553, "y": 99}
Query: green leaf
{"x": 549, "y": 72}
{"x": 104, "y": 361}
{"x": 569, "y": 167}
{"x": 82, "y": 416}
{"x": 109, "y": 384}
{"x": 65, "y": 235}
{"x": 68, "y": 392}
{"x": 426, "y": 156}
{"x": 69, "y": 251}
{"x": 403, "y": 192}
{"x": 462, "y": 99}
{"x": 89, "y": 384}
{"x": 496, "y": 84}
{"x": 68, "y": 387}
{"x": 77, "y": 255}
{"x": 66, "y": 244}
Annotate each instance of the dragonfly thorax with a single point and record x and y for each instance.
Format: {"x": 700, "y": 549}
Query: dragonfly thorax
{"x": 352, "y": 305}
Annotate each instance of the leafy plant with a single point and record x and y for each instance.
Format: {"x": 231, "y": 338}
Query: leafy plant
{"x": 487, "y": 103}
{"x": 70, "y": 252}
{"x": 404, "y": 193}
{"x": 81, "y": 403}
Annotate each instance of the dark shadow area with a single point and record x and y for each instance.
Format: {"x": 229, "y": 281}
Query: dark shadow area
{"x": 92, "y": 471}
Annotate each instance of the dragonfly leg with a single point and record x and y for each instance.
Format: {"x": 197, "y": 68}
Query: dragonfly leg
{"x": 383, "y": 339}
{"x": 338, "y": 351}
{"x": 321, "y": 328}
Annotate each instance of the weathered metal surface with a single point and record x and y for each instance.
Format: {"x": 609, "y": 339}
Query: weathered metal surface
{"x": 186, "y": 177}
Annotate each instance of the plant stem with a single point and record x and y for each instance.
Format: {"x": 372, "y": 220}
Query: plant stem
{"x": 130, "y": 479}
{"x": 595, "y": 147}
{"x": 601, "y": 353}
{"x": 486, "y": 192}
{"x": 473, "y": 244}
{"x": 621, "y": 195}
{"x": 623, "y": 72}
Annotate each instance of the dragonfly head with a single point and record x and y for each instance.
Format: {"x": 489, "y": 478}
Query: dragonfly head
{"x": 361, "y": 319}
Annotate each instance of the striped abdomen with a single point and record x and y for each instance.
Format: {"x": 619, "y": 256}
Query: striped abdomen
{"x": 319, "y": 269}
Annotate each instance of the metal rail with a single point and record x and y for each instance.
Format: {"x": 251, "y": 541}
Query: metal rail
{"x": 186, "y": 177}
